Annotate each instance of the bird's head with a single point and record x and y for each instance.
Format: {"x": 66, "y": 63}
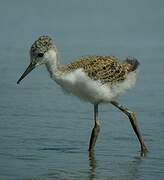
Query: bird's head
{"x": 41, "y": 51}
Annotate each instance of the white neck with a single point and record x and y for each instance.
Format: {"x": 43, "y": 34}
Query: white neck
{"x": 52, "y": 62}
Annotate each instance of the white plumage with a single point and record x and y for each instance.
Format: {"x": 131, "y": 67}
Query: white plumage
{"x": 79, "y": 84}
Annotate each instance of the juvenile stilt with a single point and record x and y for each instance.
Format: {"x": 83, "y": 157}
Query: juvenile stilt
{"x": 133, "y": 122}
{"x": 95, "y": 79}
{"x": 95, "y": 130}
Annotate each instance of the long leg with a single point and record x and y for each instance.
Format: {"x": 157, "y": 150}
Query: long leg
{"x": 95, "y": 130}
{"x": 133, "y": 122}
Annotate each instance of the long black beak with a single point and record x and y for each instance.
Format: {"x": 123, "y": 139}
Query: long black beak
{"x": 27, "y": 71}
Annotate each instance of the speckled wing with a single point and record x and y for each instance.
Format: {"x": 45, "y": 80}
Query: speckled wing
{"x": 105, "y": 69}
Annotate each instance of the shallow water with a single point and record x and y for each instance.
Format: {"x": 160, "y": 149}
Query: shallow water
{"x": 44, "y": 134}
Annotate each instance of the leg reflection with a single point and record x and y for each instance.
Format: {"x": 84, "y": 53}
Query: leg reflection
{"x": 130, "y": 169}
{"x": 133, "y": 168}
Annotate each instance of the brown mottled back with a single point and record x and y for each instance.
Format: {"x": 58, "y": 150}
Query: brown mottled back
{"x": 106, "y": 69}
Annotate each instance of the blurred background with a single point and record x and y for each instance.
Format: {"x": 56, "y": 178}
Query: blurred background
{"x": 44, "y": 134}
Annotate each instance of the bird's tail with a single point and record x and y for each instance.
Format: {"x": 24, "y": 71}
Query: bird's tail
{"x": 131, "y": 64}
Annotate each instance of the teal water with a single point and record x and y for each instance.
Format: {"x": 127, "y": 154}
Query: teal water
{"x": 44, "y": 133}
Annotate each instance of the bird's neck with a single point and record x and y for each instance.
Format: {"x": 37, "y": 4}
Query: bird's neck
{"x": 52, "y": 62}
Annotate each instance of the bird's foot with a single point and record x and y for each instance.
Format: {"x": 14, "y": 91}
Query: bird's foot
{"x": 144, "y": 150}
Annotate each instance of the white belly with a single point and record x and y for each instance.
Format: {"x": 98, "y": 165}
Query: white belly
{"x": 80, "y": 85}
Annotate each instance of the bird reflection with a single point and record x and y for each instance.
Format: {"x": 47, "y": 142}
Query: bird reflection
{"x": 131, "y": 168}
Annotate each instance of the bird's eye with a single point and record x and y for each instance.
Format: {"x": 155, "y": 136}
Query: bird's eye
{"x": 40, "y": 54}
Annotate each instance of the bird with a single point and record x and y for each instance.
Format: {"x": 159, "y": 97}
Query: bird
{"x": 94, "y": 79}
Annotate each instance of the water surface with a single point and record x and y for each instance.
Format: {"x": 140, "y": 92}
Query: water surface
{"x": 44, "y": 134}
